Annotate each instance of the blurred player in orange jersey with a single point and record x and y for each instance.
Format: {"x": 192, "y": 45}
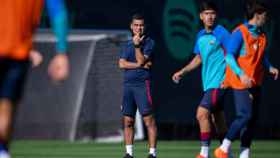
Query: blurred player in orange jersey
{"x": 246, "y": 47}
{"x": 18, "y": 21}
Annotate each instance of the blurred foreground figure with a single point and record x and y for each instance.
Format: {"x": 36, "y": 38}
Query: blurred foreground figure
{"x": 18, "y": 21}
{"x": 247, "y": 46}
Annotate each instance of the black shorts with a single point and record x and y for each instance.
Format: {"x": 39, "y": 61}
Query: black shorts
{"x": 12, "y": 78}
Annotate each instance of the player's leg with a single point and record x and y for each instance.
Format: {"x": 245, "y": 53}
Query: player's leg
{"x": 218, "y": 115}
{"x": 150, "y": 124}
{"x": 128, "y": 111}
{"x": 6, "y": 113}
{"x": 12, "y": 79}
{"x": 128, "y": 135}
{"x": 248, "y": 132}
{"x": 243, "y": 107}
{"x": 143, "y": 100}
{"x": 219, "y": 121}
{"x": 203, "y": 116}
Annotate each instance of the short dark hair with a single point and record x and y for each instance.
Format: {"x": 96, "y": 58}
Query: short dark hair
{"x": 253, "y": 7}
{"x": 137, "y": 16}
{"x": 207, "y": 5}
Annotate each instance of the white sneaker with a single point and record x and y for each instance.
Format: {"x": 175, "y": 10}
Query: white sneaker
{"x": 4, "y": 154}
{"x": 245, "y": 153}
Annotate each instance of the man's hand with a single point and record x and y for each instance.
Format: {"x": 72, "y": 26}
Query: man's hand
{"x": 246, "y": 80}
{"x": 274, "y": 71}
{"x": 36, "y": 58}
{"x": 148, "y": 65}
{"x": 223, "y": 86}
{"x": 177, "y": 76}
{"x": 137, "y": 39}
{"x": 59, "y": 67}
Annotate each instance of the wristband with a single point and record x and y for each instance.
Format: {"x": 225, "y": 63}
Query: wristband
{"x": 137, "y": 45}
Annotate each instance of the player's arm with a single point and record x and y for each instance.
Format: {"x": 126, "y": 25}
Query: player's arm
{"x": 143, "y": 53}
{"x": 35, "y": 57}
{"x": 139, "y": 55}
{"x": 272, "y": 70}
{"x": 195, "y": 63}
{"x": 148, "y": 65}
{"x": 148, "y": 53}
{"x": 266, "y": 62}
{"x": 58, "y": 17}
{"x": 124, "y": 64}
{"x": 140, "y": 58}
{"x": 233, "y": 48}
{"x": 59, "y": 66}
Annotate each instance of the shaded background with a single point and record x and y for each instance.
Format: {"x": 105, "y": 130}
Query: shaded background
{"x": 173, "y": 25}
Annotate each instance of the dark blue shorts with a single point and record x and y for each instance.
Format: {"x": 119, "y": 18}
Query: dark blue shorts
{"x": 247, "y": 101}
{"x": 137, "y": 96}
{"x": 247, "y": 97}
{"x": 213, "y": 99}
{"x": 243, "y": 99}
{"x": 12, "y": 78}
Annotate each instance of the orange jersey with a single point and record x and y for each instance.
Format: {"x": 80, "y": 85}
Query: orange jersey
{"x": 251, "y": 63}
{"x": 18, "y": 20}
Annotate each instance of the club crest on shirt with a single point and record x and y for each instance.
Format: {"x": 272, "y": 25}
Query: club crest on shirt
{"x": 212, "y": 42}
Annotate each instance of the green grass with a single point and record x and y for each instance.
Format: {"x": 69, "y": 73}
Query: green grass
{"x": 166, "y": 149}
